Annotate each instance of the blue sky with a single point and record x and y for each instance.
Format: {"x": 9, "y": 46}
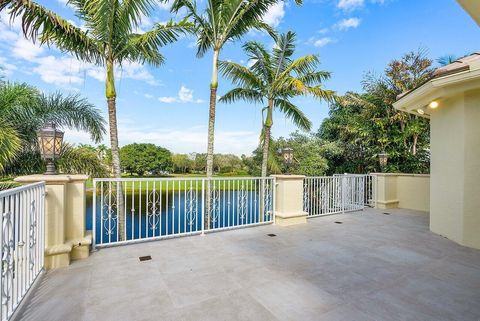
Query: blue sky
{"x": 168, "y": 106}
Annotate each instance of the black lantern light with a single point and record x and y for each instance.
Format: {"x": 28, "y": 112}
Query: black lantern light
{"x": 50, "y": 141}
{"x": 383, "y": 159}
{"x": 287, "y": 154}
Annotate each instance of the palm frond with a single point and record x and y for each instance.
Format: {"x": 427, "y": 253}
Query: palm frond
{"x": 283, "y": 50}
{"x": 239, "y": 75}
{"x": 246, "y": 94}
{"x": 43, "y": 24}
{"x": 77, "y": 160}
{"x": 293, "y": 113}
{"x": 71, "y": 111}
{"x": 144, "y": 47}
{"x": 10, "y": 143}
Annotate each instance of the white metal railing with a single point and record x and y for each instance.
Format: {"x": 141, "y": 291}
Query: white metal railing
{"x": 129, "y": 210}
{"x": 22, "y": 240}
{"x": 327, "y": 195}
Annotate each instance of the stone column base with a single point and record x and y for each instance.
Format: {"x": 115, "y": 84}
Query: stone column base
{"x": 387, "y": 204}
{"x": 57, "y": 256}
{"x": 290, "y": 218}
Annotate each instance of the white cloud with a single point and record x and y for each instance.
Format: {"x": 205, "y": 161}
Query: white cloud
{"x": 64, "y": 69}
{"x": 167, "y": 99}
{"x": 346, "y": 24}
{"x": 275, "y": 14}
{"x": 26, "y": 50}
{"x": 137, "y": 71}
{"x": 97, "y": 73}
{"x": 323, "y": 31}
{"x": 148, "y": 96}
{"x": 185, "y": 95}
{"x": 6, "y": 69}
{"x": 348, "y": 5}
{"x": 193, "y": 139}
{"x": 321, "y": 42}
{"x": 60, "y": 71}
{"x": 165, "y": 5}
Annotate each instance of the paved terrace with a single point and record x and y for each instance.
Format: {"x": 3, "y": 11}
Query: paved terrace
{"x": 371, "y": 267}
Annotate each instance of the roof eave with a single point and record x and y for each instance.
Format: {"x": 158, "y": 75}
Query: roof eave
{"x": 438, "y": 89}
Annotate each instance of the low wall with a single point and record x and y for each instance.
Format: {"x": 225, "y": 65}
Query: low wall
{"x": 399, "y": 190}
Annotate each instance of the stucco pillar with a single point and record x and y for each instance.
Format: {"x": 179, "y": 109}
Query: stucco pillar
{"x": 455, "y": 169}
{"x": 386, "y": 191}
{"x": 289, "y": 200}
{"x": 65, "y": 235}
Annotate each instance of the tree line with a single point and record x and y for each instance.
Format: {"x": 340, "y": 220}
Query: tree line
{"x": 358, "y": 128}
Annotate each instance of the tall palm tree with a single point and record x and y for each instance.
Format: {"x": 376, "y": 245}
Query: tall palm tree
{"x": 273, "y": 79}
{"x": 109, "y": 38}
{"x": 24, "y": 110}
{"x": 220, "y": 22}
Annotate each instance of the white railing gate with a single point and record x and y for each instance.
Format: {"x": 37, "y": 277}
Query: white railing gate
{"x": 22, "y": 242}
{"x": 340, "y": 193}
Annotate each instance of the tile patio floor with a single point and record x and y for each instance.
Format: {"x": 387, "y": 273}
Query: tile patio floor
{"x": 371, "y": 267}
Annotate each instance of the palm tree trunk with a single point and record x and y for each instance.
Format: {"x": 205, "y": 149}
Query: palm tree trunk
{"x": 211, "y": 114}
{"x": 211, "y": 134}
{"x": 414, "y": 147}
{"x": 112, "y": 120}
{"x": 267, "y": 127}
{"x": 266, "y": 137}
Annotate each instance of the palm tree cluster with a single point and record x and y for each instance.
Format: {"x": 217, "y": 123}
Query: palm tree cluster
{"x": 110, "y": 36}
{"x": 24, "y": 110}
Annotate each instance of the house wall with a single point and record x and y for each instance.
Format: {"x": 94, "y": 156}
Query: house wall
{"x": 455, "y": 169}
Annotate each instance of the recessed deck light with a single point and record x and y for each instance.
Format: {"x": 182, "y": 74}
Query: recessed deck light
{"x": 433, "y": 104}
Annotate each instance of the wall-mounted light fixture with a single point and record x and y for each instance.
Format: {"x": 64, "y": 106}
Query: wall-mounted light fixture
{"x": 433, "y": 104}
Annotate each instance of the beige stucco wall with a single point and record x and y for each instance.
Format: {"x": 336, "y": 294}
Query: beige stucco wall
{"x": 399, "y": 190}
{"x": 413, "y": 192}
{"x": 455, "y": 169}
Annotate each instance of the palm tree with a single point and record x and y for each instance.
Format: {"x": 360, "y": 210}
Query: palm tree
{"x": 273, "y": 79}
{"x": 109, "y": 38}
{"x": 222, "y": 21}
{"x": 446, "y": 60}
{"x": 24, "y": 110}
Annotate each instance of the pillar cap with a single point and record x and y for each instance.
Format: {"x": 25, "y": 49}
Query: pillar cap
{"x": 286, "y": 177}
{"x": 400, "y": 174}
{"x": 49, "y": 179}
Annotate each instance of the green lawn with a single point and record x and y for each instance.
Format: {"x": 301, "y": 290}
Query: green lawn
{"x": 179, "y": 185}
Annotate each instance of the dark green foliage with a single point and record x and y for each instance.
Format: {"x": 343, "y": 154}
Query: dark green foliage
{"x": 310, "y": 152}
{"x": 144, "y": 159}
{"x": 364, "y": 125}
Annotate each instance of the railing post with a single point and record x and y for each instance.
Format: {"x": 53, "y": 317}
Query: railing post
{"x": 289, "y": 200}
{"x": 203, "y": 207}
{"x": 343, "y": 193}
{"x": 94, "y": 216}
{"x": 274, "y": 193}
